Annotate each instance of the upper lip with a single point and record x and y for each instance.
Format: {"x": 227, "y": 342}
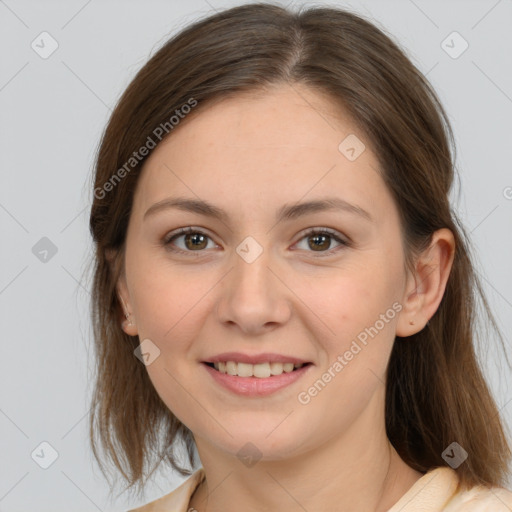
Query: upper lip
{"x": 239, "y": 357}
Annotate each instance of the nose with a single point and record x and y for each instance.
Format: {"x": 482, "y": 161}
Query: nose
{"x": 253, "y": 296}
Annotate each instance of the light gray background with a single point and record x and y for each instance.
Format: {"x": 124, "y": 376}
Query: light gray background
{"x": 52, "y": 114}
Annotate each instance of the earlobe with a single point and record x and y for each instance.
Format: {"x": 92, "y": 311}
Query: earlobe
{"x": 128, "y": 323}
{"x": 127, "y": 319}
{"x": 426, "y": 286}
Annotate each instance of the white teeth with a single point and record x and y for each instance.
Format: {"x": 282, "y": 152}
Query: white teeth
{"x": 276, "y": 368}
{"x": 261, "y": 370}
{"x": 288, "y": 367}
{"x": 231, "y": 368}
{"x": 244, "y": 370}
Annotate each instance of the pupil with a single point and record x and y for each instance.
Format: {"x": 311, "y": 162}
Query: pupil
{"x": 319, "y": 237}
{"x": 195, "y": 238}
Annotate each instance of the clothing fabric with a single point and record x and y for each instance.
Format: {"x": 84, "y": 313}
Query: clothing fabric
{"x": 433, "y": 492}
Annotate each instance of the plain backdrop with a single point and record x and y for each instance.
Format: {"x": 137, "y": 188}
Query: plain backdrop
{"x": 52, "y": 113}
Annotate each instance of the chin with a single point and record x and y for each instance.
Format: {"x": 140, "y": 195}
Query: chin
{"x": 262, "y": 442}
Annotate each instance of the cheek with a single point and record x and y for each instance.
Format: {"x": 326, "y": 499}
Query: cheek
{"x": 166, "y": 297}
{"x": 354, "y": 298}
{"x": 170, "y": 307}
{"x": 359, "y": 307}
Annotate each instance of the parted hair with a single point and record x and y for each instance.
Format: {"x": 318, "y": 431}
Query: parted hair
{"x": 435, "y": 389}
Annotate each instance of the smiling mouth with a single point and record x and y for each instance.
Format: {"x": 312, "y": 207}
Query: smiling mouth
{"x": 261, "y": 370}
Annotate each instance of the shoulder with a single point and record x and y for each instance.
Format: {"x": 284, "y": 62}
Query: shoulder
{"x": 177, "y": 500}
{"x": 437, "y": 491}
{"x": 481, "y": 499}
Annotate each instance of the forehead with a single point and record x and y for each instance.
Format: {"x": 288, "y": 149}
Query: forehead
{"x": 287, "y": 141}
{"x": 282, "y": 115}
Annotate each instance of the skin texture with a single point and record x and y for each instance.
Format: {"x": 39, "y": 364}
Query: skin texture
{"x": 250, "y": 155}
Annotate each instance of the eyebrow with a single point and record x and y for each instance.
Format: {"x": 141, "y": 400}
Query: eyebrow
{"x": 286, "y": 212}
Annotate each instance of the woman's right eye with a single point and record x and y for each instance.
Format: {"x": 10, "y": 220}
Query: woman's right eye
{"x": 193, "y": 240}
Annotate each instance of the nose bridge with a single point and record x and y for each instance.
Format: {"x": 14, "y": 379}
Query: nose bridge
{"x": 250, "y": 280}
{"x": 251, "y": 267}
{"x": 253, "y": 297}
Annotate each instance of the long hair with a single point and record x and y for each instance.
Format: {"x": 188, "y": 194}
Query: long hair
{"x": 435, "y": 391}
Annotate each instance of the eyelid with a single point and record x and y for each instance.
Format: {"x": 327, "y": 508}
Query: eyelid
{"x": 329, "y": 231}
{"x": 184, "y": 231}
{"x": 342, "y": 239}
{"x": 166, "y": 241}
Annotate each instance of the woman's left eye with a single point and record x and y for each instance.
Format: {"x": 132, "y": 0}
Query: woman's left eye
{"x": 194, "y": 240}
{"x": 319, "y": 239}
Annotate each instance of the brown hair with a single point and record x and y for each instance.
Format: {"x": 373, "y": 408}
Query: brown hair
{"x": 436, "y": 393}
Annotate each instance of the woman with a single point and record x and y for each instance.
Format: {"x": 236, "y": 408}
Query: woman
{"x": 280, "y": 281}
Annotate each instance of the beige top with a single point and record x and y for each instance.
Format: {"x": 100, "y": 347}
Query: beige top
{"x": 433, "y": 492}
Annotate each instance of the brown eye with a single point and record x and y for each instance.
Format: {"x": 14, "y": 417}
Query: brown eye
{"x": 320, "y": 240}
{"x": 193, "y": 240}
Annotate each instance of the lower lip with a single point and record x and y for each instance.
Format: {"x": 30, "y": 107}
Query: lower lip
{"x": 255, "y": 386}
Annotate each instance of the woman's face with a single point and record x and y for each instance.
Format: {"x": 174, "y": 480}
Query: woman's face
{"x": 252, "y": 282}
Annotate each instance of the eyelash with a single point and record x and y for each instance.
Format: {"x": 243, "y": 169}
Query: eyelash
{"x": 167, "y": 242}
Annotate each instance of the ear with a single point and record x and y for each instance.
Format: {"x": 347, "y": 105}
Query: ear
{"x": 127, "y": 318}
{"x": 425, "y": 286}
